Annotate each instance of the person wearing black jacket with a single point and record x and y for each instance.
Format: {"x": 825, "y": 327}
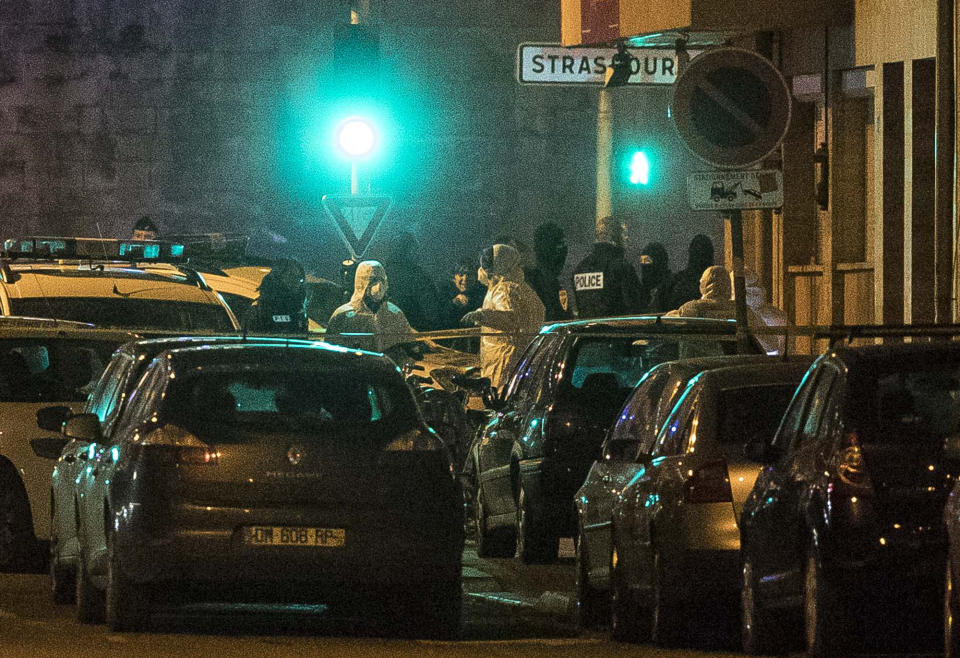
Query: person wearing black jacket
{"x": 604, "y": 283}
{"x": 281, "y": 307}
{"x": 654, "y": 276}
{"x": 550, "y": 248}
{"x": 684, "y": 286}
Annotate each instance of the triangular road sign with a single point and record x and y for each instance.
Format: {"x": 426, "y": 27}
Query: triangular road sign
{"x": 357, "y": 219}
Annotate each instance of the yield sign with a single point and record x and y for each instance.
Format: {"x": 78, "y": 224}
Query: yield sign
{"x": 357, "y": 219}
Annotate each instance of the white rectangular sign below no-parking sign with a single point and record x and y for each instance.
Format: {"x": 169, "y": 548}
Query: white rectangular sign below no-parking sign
{"x": 735, "y": 190}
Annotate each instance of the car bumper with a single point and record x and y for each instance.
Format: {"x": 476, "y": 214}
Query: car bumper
{"x": 205, "y": 547}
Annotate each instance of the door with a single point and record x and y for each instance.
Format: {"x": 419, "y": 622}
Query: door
{"x": 777, "y": 534}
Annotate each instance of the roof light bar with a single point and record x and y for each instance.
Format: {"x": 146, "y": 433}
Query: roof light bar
{"x": 95, "y": 248}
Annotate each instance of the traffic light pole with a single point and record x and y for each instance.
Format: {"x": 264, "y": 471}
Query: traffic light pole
{"x": 354, "y": 179}
{"x": 735, "y": 218}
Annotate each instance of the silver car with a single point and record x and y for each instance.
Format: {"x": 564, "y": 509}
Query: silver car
{"x": 675, "y": 537}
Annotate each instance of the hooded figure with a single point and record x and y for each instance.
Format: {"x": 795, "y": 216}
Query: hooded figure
{"x": 551, "y": 249}
{"x": 411, "y": 288}
{"x": 654, "y": 274}
{"x": 511, "y": 311}
{"x": 768, "y": 314}
{"x": 684, "y": 285}
{"x": 368, "y": 311}
{"x": 604, "y": 283}
{"x": 715, "y": 302}
{"x": 281, "y": 307}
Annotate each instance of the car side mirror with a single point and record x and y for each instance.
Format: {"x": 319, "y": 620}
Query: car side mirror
{"x": 52, "y": 418}
{"x": 48, "y": 447}
{"x": 82, "y": 427}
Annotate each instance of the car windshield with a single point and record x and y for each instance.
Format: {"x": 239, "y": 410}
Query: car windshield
{"x": 127, "y": 313}
{"x": 51, "y": 370}
{"x": 291, "y": 400}
{"x": 752, "y": 413}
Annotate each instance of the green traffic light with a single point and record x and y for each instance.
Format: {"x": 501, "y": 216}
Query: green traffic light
{"x": 639, "y": 168}
{"x": 356, "y": 137}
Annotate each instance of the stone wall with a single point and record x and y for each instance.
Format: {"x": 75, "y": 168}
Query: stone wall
{"x": 110, "y": 109}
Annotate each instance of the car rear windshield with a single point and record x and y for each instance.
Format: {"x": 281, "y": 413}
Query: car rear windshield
{"x": 622, "y": 361}
{"x": 752, "y": 413}
{"x": 916, "y": 406}
{"x": 286, "y": 400}
{"x": 127, "y": 313}
{"x": 51, "y": 370}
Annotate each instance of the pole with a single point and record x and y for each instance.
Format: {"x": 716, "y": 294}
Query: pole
{"x": 354, "y": 179}
{"x": 944, "y": 280}
{"x": 604, "y": 154}
{"x": 735, "y": 218}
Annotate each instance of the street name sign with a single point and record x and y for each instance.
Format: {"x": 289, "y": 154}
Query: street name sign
{"x": 731, "y": 107}
{"x": 552, "y": 64}
{"x": 735, "y": 190}
{"x": 357, "y": 219}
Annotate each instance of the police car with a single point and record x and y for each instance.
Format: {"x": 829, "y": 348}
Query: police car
{"x": 140, "y": 285}
{"x": 47, "y": 368}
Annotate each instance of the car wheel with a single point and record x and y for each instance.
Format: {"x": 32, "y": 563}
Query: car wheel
{"x": 62, "y": 582}
{"x": 127, "y": 604}
{"x": 666, "y": 616}
{"x": 951, "y": 623}
{"x": 16, "y": 526}
{"x": 820, "y": 610}
{"x": 90, "y": 600}
{"x": 537, "y": 543}
{"x": 628, "y": 621}
{"x": 755, "y": 623}
{"x": 592, "y": 604}
{"x": 489, "y": 544}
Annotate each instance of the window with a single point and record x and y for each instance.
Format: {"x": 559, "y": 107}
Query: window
{"x": 818, "y": 405}
{"x": 290, "y": 400}
{"x": 793, "y": 417}
{"x": 751, "y": 413}
{"x": 128, "y": 312}
{"x": 638, "y": 418}
{"x": 916, "y": 406}
{"x": 673, "y": 435}
{"x": 523, "y": 369}
{"x": 51, "y": 370}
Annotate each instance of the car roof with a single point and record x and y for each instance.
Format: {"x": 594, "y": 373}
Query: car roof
{"x": 774, "y": 371}
{"x": 634, "y": 323}
{"x": 88, "y": 279}
{"x": 868, "y": 356}
{"x": 256, "y": 353}
{"x": 153, "y": 346}
{"x": 692, "y": 366}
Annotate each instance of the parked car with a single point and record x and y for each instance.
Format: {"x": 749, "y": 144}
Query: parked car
{"x": 106, "y": 401}
{"x": 846, "y": 516}
{"x": 632, "y": 435}
{"x": 42, "y": 363}
{"x": 269, "y": 472}
{"x": 675, "y": 543}
{"x": 552, "y": 417}
{"x": 88, "y": 280}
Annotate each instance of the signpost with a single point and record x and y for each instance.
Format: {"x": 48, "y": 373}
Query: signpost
{"x": 735, "y": 190}
{"x": 732, "y": 109}
{"x": 357, "y": 219}
{"x": 552, "y": 64}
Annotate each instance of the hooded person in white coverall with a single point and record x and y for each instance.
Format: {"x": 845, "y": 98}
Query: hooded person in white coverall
{"x": 369, "y": 311}
{"x": 715, "y": 301}
{"x": 511, "y": 312}
{"x": 768, "y": 314}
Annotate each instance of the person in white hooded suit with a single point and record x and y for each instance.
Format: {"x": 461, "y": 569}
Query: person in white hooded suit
{"x": 369, "y": 312}
{"x": 511, "y": 313}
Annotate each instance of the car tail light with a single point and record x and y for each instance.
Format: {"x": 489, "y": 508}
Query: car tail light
{"x": 416, "y": 440}
{"x": 709, "y": 483}
{"x": 190, "y": 449}
{"x": 850, "y": 466}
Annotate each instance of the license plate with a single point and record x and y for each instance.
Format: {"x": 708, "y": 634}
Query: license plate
{"x": 294, "y": 536}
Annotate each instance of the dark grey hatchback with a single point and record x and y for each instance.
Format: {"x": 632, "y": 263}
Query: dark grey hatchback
{"x": 294, "y": 473}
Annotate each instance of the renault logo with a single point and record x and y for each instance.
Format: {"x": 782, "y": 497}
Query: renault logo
{"x": 295, "y": 454}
